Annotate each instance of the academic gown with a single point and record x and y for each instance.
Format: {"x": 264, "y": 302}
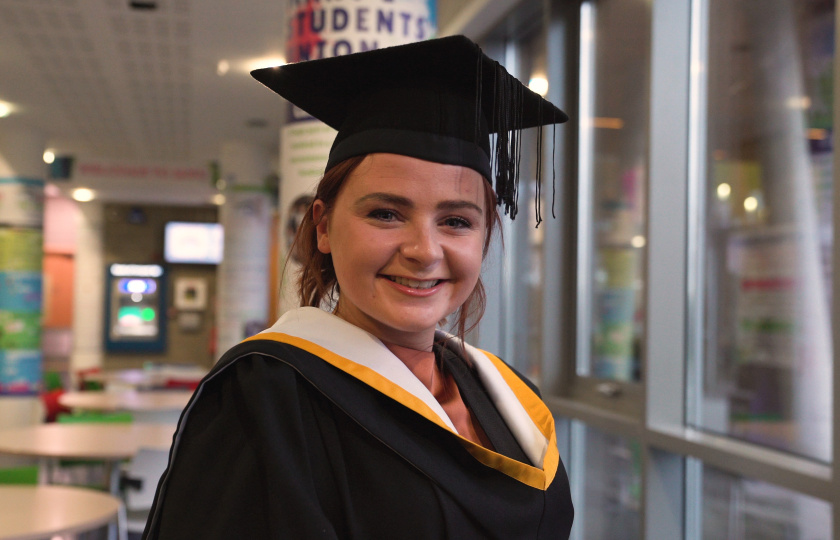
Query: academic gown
{"x": 314, "y": 429}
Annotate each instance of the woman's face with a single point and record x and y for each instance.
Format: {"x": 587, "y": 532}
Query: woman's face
{"x": 406, "y": 239}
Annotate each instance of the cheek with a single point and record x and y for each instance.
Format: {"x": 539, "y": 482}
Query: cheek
{"x": 355, "y": 249}
{"x": 469, "y": 260}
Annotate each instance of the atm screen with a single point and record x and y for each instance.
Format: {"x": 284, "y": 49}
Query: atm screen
{"x": 135, "y": 307}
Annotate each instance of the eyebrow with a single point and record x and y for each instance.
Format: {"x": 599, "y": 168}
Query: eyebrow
{"x": 405, "y": 202}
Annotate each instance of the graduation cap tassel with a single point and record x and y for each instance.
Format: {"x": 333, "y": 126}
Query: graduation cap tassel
{"x": 502, "y": 151}
{"x": 553, "y": 161}
{"x": 513, "y": 154}
{"x": 504, "y": 142}
{"x": 512, "y": 120}
{"x": 537, "y": 201}
{"x": 518, "y": 92}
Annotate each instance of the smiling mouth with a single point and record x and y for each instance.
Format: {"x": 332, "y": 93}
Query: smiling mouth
{"x": 413, "y": 283}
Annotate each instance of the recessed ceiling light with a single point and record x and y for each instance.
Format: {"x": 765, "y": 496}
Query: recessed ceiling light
{"x": 5, "y": 109}
{"x": 83, "y": 194}
{"x": 49, "y": 156}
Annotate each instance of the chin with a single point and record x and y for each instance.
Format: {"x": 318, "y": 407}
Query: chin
{"x": 413, "y": 325}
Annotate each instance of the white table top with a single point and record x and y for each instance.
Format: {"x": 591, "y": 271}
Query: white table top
{"x": 30, "y": 512}
{"x": 131, "y": 400}
{"x": 85, "y": 441}
{"x": 148, "y": 378}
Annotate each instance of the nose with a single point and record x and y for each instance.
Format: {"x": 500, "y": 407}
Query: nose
{"x": 421, "y": 245}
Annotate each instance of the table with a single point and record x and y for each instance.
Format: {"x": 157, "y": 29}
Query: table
{"x": 153, "y": 406}
{"x": 111, "y": 443}
{"x": 147, "y": 378}
{"x": 30, "y": 512}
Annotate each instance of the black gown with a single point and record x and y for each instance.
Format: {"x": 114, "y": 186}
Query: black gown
{"x": 287, "y": 438}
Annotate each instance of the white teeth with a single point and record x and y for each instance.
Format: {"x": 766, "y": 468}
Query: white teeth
{"x": 413, "y": 283}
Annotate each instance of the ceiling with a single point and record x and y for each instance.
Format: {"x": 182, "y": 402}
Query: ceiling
{"x": 104, "y": 79}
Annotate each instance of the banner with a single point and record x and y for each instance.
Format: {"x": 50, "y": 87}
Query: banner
{"x": 21, "y": 284}
{"x": 21, "y": 202}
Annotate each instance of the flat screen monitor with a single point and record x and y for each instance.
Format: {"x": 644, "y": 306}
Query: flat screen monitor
{"x": 193, "y": 243}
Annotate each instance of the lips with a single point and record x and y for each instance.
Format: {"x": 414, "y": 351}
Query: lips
{"x": 413, "y": 283}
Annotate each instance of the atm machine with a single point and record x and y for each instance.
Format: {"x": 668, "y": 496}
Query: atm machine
{"x": 135, "y": 314}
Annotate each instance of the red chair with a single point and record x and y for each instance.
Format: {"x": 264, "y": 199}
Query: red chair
{"x": 179, "y": 384}
{"x": 51, "y": 405}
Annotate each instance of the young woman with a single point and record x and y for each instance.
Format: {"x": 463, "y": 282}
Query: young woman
{"x": 355, "y": 416}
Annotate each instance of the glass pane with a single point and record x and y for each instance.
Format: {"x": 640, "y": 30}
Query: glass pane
{"x": 613, "y": 176}
{"x": 532, "y": 66}
{"x": 519, "y": 45}
{"x": 608, "y": 485}
{"x": 736, "y": 507}
{"x": 767, "y": 369}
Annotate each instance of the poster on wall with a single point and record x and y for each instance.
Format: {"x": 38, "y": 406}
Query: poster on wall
{"x": 21, "y": 249}
{"x": 20, "y": 310}
{"x": 21, "y": 202}
{"x": 20, "y": 372}
{"x": 21, "y": 285}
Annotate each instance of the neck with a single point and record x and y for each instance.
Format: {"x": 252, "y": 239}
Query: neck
{"x": 407, "y": 354}
{"x": 409, "y": 340}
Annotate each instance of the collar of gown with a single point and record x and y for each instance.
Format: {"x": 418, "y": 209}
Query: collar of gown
{"x": 363, "y": 356}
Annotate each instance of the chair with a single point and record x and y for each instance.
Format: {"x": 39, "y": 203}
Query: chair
{"x": 86, "y": 473}
{"x": 53, "y": 388}
{"x": 85, "y": 383}
{"x": 141, "y": 477}
{"x": 26, "y": 475}
{"x": 95, "y": 417}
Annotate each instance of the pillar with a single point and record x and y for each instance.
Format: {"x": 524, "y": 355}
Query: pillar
{"x": 88, "y": 289}
{"x": 21, "y": 258}
{"x": 243, "y": 277}
{"x": 320, "y": 30}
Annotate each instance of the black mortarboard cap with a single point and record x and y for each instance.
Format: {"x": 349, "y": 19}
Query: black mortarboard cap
{"x": 437, "y": 100}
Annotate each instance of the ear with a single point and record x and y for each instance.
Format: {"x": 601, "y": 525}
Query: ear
{"x": 321, "y": 220}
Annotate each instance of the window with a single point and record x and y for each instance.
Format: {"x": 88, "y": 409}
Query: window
{"x": 766, "y": 264}
{"x": 612, "y": 160}
{"x": 607, "y": 477}
{"x": 678, "y": 313}
{"x": 737, "y": 507}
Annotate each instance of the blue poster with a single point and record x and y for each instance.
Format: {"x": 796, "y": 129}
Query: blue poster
{"x": 20, "y": 291}
{"x": 20, "y": 372}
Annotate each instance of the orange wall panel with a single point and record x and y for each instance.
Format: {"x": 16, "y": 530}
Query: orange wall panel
{"x": 58, "y": 290}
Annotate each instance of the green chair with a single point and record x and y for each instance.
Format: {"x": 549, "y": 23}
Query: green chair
{"x": 95, "y": 417}
{"x": 87, "y": 473}
{"x": 53, "y": 381}
{"x": 26, "y": 475}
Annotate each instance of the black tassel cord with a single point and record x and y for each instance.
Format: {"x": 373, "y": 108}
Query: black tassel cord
{"x": 506, "y": 125}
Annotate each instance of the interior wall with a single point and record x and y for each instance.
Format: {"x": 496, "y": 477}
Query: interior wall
{"x": 134, "y": 234}
{"x": 60, "y": 227}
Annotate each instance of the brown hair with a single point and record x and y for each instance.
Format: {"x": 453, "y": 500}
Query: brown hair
{"x": 318, "y": 282}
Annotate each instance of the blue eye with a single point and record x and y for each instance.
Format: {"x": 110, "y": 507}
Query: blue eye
{"x": 457, "y": 223}
{"x": 383, "y": 215}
